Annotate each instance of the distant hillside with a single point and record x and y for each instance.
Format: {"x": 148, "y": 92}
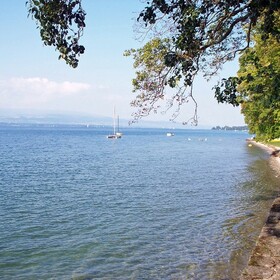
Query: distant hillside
{"x": 45, "y": 117}
{"x": 242, "y": 128}
{"x": 36, "y": 117}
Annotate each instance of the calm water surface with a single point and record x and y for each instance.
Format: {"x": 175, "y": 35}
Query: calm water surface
{"x": 75, "y": 205}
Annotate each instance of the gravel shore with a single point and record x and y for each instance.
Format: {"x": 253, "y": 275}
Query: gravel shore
{"x": 264, "y": 262}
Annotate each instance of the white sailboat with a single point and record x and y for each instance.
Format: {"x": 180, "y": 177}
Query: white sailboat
{"x": 118, "y": 133}
{"x": 115, "y": 134}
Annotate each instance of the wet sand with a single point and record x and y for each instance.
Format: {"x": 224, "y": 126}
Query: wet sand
{"x": 264, "y": 262}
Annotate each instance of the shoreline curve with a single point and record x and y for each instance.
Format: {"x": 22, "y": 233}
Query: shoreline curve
{"x": 264, "y": 262}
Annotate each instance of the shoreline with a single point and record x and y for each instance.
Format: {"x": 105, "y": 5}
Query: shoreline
{"x": 264, "y": 261}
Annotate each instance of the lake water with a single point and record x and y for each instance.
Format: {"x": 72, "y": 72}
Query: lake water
{"x": 75, "y": 205}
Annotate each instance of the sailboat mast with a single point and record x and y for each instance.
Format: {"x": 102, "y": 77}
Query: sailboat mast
{"x": 114, "y": 119}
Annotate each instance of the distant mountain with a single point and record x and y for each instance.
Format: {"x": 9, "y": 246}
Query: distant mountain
{"x": 51, "y": 118}
{"x": 48, "y": 117}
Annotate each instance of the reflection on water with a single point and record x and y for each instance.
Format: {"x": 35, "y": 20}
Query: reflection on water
{"x": 256, "y": 196}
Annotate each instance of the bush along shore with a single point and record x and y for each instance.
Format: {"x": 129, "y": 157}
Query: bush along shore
{"x": 264, "y": 262}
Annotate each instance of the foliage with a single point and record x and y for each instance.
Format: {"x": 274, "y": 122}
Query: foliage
{"x": 154, "y": 76}
{"x": 188, "y": 37}
{"x": 61, "y": 24}
{"x": 259, "y": 85}
{"x": 257, "y": 88}
{"x": 218, "y": 28}
{"x": 275, "y": 143}
{"x": 226, "y": 91}
{"x": 202, "y": 36}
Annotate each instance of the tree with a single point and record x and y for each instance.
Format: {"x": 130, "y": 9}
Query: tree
{"x": 187, "y": 37}
{"x": 257, "y": 85}
{"x": 61, "y": 24}
{"x": 259, "y": 88}
{"x": 201, "y": 36}
{"x": 153, "y": 77}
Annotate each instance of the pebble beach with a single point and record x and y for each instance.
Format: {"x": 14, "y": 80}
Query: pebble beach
{"x": 264, "y": 262}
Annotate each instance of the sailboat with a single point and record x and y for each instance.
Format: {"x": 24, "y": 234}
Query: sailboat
{"x": 115, "y": 134}
{"x": 118, "y": 133}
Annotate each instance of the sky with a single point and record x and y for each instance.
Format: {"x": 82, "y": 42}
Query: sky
{"x": 32, "y": 79}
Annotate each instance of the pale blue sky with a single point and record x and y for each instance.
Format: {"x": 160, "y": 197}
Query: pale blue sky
{"x": 32, "y": 77}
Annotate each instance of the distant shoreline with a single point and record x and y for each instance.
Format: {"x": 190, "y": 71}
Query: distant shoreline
{"x": 264, "y": 262}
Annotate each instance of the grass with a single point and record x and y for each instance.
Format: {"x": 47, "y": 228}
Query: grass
{"x": 275, "y": 142}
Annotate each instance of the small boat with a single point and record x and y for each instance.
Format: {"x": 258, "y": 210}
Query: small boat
{"x": 114, "y": 136}
{"x": 169, "y": 134}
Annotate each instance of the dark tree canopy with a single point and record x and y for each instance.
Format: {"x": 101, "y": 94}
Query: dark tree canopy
{"x": 257, "y": 84}
{"x": 202, "y": 36}
{"x": 187, "y": 37}
{"x": 257, "y": 88}
{"x": 61, "y": 24}
{"x": 196, "y": 27}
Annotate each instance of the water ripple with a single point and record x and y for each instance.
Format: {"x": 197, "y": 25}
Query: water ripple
{"x": 77, "y": 206}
